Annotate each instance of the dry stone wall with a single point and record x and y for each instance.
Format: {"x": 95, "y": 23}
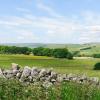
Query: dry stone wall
{"x": 47, "y": 77}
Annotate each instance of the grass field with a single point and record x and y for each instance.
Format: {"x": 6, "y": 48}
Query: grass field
{"x": 77, "y": 66}
{"x": 15, "y": 90}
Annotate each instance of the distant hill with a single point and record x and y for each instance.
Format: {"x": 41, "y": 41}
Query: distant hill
{"x": 49, "y": 45}
{"x": 88, "y": 49}
{"x": 30, "y": 45}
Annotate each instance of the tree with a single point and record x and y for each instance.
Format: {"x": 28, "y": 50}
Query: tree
{"x": 38, "y": 51}
{"x": 97, "y": 66}
{"x": 60, "y": 53}
{"x": 69, "y": 55}
{"x": 96, "y": 55}
{"x": 47, "y": 52}
{"x": 14, "y": 50}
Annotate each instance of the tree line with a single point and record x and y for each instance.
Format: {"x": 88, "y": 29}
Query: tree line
{"x": 14, "y": 50}
{"x": 39, "y": 51}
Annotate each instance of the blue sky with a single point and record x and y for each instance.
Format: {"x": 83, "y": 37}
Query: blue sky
{"x": 49, "y": 21}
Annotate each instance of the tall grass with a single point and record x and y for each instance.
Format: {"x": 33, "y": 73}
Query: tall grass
{"x": 14, "y": 90}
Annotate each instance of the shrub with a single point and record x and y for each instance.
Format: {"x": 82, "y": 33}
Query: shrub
{"x": 69, "y": 55}
{"x": 27, "y": 53}
{"x": 86, "y": 48}
{"x": 14, "y": 50}
{"x": 96, "y": 55}
{"x": 57, "y": 53}
{"x": 38, "y": 51}
{"x": 60, "y": 53}
{"x": 97, "y": 66}
{"x": 76, "y": 53}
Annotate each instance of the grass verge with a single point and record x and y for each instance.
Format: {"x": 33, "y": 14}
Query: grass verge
{"x": 14, "y": 90}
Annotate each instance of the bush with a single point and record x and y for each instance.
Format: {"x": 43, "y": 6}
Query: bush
{"x": 97, "y": 66}
{"x": 57, "y": 53}
{"x": 27, "y": 53}
{"x": 76, "y": 53}
{"x": 38, "y": 51}
{"x": 96, "y": 55}
{"x": 86, "y": 48}
{"x": 14, "y": 50}
{"x": 69, "y": 55}
{"x": 60, "y": 53}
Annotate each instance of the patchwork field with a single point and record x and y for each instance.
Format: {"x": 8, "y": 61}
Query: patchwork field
{"x": 77, "y": 66}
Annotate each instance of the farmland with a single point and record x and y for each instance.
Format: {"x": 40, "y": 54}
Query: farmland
{"x": 14, "y": 90}
{"x": 77, "y": 66}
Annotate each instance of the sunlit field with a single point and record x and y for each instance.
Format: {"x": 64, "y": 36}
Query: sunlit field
{"x": 14, "y": 90}
{"x": 77, "y": 66}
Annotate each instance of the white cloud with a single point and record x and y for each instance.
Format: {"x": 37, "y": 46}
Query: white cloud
{"x": 90, "y": 27}
{"x": 26, "y": 35}
{"x": 48, "y": 9}
{"x": 55, "y": 29}
{"x": 14, "y": 21}
{"x": 89, "y": 37}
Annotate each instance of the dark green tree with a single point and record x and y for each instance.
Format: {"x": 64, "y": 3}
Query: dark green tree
{"x": 38, "y": 51}
{"x": 60, "y": 53}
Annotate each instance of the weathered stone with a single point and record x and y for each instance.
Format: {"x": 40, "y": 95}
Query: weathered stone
{"x": 46, "y": 77}
{"x": 8, "y": 74}
{"x": 53, "y": 80}
{"x": 15, "y": 72}
{"x": 15, "y": 66}
{"x": 26, "y": 71}
{"x": 25, "y": 74}
{"x": 60, "y": 78}
{"x": 34, "y": 80}
{"x": 42, "y": 79}
{"x": 49, "y": 71}
{"x": 30, "y": 78}
{"x": 18, "y": 75}
{"x": 42, "y": 73}
{"x": 70, "y": 76}
{"x": 82, "y": 78}
{"x": 34, "y": 72}
{"x": 53, "y": 75}
{"x": 47, "y": 84}
{"x": 1, "y": 74}
{"x": 74, "y": 79}
{"x": 64, "y": 76}
{"x": 66, "y": 79}
{"x": 94, "y": 80}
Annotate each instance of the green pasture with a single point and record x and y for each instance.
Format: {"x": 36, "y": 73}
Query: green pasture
{"x": 77, "y": 66}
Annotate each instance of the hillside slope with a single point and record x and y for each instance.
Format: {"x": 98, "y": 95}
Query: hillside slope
{"x": 87, "y": 49}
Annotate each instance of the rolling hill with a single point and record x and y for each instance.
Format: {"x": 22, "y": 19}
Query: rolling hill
{"x": 87, "y": 49}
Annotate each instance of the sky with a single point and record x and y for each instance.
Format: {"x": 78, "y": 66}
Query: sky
{"x": 49, "y": 21}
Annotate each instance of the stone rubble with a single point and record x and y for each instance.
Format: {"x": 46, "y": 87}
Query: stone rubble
{"x": 46, "y": 76}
